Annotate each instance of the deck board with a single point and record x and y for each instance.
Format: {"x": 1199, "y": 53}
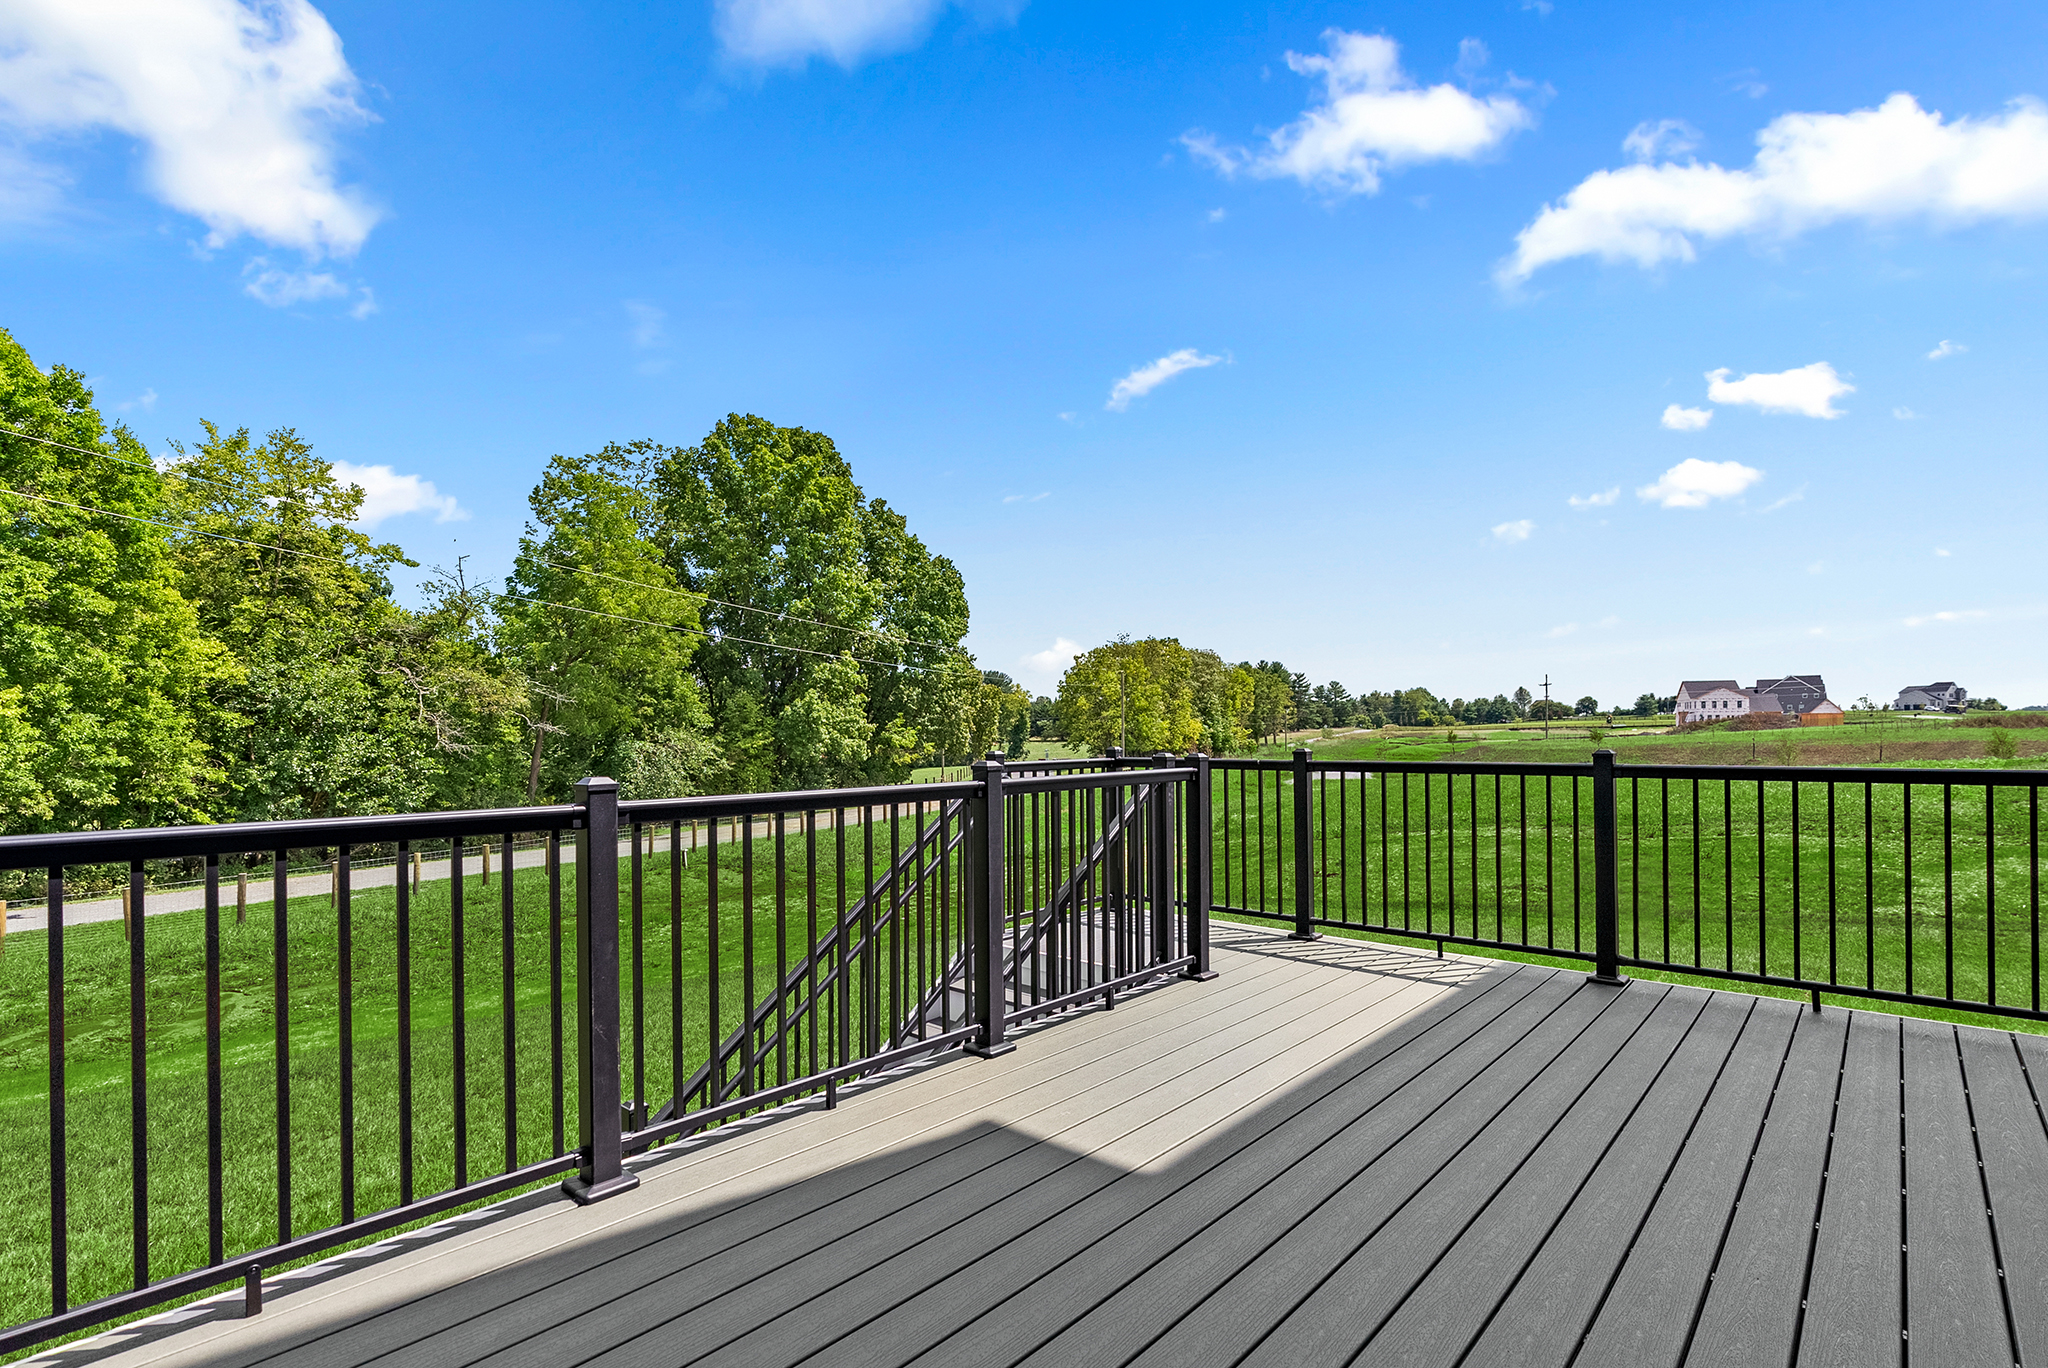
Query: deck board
{"x": 1334, "y": 1152}
{"x": 1853, "y": 1290}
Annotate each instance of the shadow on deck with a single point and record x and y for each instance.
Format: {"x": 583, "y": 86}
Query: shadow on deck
{"x": 1335, "y": 1152}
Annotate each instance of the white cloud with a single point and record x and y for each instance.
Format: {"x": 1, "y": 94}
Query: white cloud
{"x": 1680, "y": 419}
{"x": 1940, "y": 552}
{"x": 1964, "y": 616}
{"x": 365, "y": 305}
{"x": 1604, "y": 499}
{"x": 1215, "y": 216}
{"x": 1664, "y": 138}
{"x": 1048, "y": 665}
{"x": 1472, "y": 58}
{"x": 1694, "y": 483}
{"x": 1904, "y": 414}
{"x": 1562, "y": 630}
{"x": 1794, "y": 497}
{"x": 1373, "y": 117}
{"x": 1808, "y": 390}
{"x": 791, "y": 32}
{"x": 1897, "y": 161}
{"x": 648, "y": 323}
{"x": 387, "y": 494}
{"x": 146, "y": 401}
{"x": 236, "y": 103}
{"x": 277, "y": 287}
{"x": 1947, "y": 348}
{"x": 1516, "y": 531}
{"x": 1026, "y": 498}
{"x": 1153, "y": 374}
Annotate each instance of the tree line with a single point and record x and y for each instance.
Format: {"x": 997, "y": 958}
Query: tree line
{"x": 1157, "y": 694}
{"x": 212, "y": 638}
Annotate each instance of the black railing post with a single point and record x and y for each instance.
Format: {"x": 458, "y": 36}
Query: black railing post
{"x": 987, "y": 872}
{"x": 599, "y": 1124}
{"x": 1199, "y": 887}
{"x": 1159, "y": 874}
{"x": 1304, "y": 862}
{"x": 1606, "y": 879}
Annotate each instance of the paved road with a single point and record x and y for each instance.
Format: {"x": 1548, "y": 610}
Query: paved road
{"x": 34, "y": 917}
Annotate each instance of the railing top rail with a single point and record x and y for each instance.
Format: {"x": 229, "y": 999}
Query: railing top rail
{"x": 1125, "y": 778}
{"x": 154, "y": 843}
{"x": 1840, "y": 774}
{"x": 1804, "y": 774}
{"x": 650, "y": 810}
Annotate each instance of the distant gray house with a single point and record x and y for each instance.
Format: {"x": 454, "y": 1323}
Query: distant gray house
{"x": 1796, "y": 694}
{"x": 1946, "y": 696}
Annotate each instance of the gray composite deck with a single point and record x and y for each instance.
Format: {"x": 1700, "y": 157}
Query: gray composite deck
{"x": 1334, "y": 1152}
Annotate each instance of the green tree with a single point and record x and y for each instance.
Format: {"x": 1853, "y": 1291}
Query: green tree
{"x": 324, "y": 717}
{"x": 1586, "y": 706}
{"x": 105, "y": 671}
{"x": 1645, "y": 705}
{"x": 1138, "y": 694}
{"x": 834, "y": 656}
{"x": 1522, "y": 699}
{"x": 601, "y": 634}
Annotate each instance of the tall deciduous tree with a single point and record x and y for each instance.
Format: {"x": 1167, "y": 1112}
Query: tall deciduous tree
{"x": 835, "y": 654}
{"x": 105, "y": 671}
{"x": 601, "y": 632}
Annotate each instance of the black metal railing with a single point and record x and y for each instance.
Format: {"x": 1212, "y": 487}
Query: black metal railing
{"x": 351, "y": 1052}
{"x": 1899, "y": 885}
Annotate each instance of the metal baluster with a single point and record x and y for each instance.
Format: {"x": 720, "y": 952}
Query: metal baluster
{"x": 509, "y": 969}
{"x": 344, "y": 968}
{"x": 558, "y": 1075}
{"x": 138, "y": 1076}
{"x": 402, "y": 931}
{"x": 216, "y": 1223}
{"x": 59, "y": 1142}
{"x": 280, "y": 981}
{"x": 457, "y": 943}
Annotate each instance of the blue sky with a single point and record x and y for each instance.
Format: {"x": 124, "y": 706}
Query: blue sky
{"x": 1409, "y": 344}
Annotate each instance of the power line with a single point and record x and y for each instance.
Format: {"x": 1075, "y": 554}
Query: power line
{"x": 547, "y": 603}
{"x": 575, "y": 569}
{"x": 723, "y": 636}
{"x": 152, "y": 466}
{"x": 745, "y": 608}
{"x": 175, "y": 527}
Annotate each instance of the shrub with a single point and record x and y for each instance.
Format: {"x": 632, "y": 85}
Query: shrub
{"x": 1785, "y": 750}
{"x": 1595, "y": 735}
{"x": 1999, "y": 745}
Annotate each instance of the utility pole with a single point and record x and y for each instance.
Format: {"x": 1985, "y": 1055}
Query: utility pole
{"x": 1546, "y": 705}
{"x": 1123, "y": 705}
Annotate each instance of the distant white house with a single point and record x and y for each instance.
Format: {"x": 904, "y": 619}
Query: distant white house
{"x": 1713, "y": 700}
{"x": 1946, "y": 696}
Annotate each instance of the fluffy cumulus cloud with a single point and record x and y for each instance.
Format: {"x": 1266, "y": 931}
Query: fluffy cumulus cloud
{"x": 1681, "y": 419}
{"x": 1895, "y": 162}
{"x": 1153, "y": 374}
{"x": 235, "y": 103}
{"x": 791, "y": 32}
{"x": 1808, "y": 390}
{"x": 1519, "y": 530}
{"x": 1372, "y": 118}
{"x": 387, "y": 494}
{"x": 1604, "y": 499}
{"x": 1694, "y": 483}
{"x": 1048, "y": 665}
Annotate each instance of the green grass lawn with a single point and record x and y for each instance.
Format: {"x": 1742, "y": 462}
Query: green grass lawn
{"x": 1456, "y": 855}
{"x": 499, "y": 1134}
